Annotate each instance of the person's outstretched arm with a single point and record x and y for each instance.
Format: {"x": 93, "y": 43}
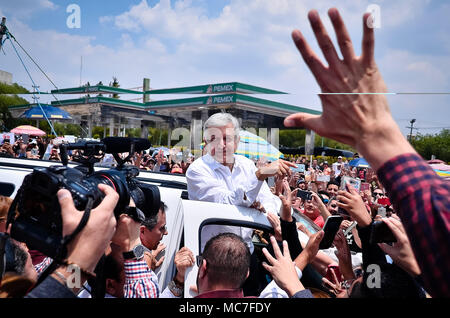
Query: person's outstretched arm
{"x": 362, "y": 119}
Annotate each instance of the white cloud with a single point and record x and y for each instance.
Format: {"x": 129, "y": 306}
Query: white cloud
{"x": 25, "y": 8}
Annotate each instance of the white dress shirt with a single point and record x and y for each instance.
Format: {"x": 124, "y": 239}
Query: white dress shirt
{"x": 209, "y": 180}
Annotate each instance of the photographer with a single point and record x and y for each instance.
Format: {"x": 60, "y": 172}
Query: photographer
{"x": 420, "y": 197}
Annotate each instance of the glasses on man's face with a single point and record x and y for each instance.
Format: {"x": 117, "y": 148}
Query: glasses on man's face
{"x": 379, "y": 194}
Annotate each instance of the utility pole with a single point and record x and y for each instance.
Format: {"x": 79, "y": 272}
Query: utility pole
{"x": 2, "y": 31}
{"x": 411, "y": 127}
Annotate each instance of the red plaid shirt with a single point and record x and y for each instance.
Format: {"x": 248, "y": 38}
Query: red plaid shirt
{"x": 422, "y": 201}
{"x": 140, "y": 280}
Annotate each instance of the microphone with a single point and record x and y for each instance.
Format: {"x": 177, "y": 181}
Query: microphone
{"x": 123, "y": 144}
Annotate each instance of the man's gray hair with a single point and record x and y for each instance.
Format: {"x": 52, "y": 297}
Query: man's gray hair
{"x": 221, "y": 120}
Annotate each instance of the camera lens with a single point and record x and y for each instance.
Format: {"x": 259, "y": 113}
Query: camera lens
{"x": 115, "y": 180}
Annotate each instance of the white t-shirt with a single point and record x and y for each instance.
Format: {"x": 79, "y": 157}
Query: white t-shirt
{"x": 337, "y": 168}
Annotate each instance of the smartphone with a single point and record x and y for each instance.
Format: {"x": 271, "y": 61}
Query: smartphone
{"x": 356, "y": 183}
{"x": 330, "y": 228}
{"x": 300, "y": 168}
{"x": 384, "y": 201}
{"x": 381, "y": 233}
{"x": 329, "y": 275}
{"x": 382, "y": 211}
{"x": 305, "y": 195}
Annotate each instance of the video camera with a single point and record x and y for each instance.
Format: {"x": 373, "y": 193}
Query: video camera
{"x": 37, "y": 219}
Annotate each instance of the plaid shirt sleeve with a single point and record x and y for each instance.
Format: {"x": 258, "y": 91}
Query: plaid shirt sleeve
{"x": 140, "y": 280}
{"x": 422, "y": 200}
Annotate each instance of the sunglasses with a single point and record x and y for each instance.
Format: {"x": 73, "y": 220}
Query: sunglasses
{"x": 199, "y": 260}
{"x": 377, "y": 194}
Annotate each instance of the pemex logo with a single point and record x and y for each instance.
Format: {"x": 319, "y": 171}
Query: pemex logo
{"x": 209, "y": 101}
{"x": 209, "y": 90}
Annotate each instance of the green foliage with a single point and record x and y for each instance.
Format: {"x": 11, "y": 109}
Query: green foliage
{"x": 7, "y": 122}
{"x": 158, "y": 136}
{"x": 61, "y": 128}
{"x": 296, "y": 138}
{"x": 115, "y": 83}
{"x": 97, "y": 132}
{"x": 133, "y": 132}
{"x": 437, "y": 145}
{"x": 12, "y": 89}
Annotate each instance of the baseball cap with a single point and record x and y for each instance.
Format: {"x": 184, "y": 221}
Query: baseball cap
{"x": 340, "y": 157}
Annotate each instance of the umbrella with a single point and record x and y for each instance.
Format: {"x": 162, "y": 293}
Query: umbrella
{"x": 255, "y": 147}
{"x": 51, "y": 112}
{"x": 28, "y": 130}
{"x": 442, "y": 170}
{"x": 435, "y": 161}
{"x": 359, "y": 163}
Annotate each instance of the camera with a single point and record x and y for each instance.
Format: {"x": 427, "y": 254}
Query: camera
{"x": 35, "y": 214}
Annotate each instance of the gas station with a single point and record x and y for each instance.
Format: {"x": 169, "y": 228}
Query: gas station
{"x": 115, "y": 114}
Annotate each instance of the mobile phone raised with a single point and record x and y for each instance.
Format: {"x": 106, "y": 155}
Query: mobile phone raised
{"x": 381, "y": 233}
{"x": 356, "y": 183}
{"x": 305, "y": 195}
{"x": 330, "y": 228}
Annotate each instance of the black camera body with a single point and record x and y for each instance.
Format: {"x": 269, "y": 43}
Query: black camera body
{"x": 37, "y": 220}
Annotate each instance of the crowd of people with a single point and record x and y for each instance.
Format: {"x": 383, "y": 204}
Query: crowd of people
{"x": 400, "y": 193}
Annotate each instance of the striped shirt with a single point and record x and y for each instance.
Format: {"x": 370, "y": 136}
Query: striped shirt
{"x": 422, "y": 200}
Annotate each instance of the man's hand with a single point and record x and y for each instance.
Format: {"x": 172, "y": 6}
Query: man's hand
{"x": 258, "y": 206}
{"x": 127, "y": 233}
{"x": 286, "y": 201}
{"x": 344, "y": 256}
{"x": 150, "y": 257}
{"x": 401, "y": 251}
{"x": 275, "y": 222}
{"x": 184, "y": 259}
{"x": 352, "y": 202}
{"x": 356, "y": 112}
{"x": 280, "y": 168}
{"x": 310, "y": 251}
{"x": 282, "y": 269}
{"x": 89, "y": 245}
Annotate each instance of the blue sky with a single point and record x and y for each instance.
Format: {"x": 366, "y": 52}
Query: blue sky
{"x": 193, "y": 42}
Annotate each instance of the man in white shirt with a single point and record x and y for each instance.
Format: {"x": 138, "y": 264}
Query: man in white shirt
{"x": 223, "y": 177}
{"x": 337, "y": 166}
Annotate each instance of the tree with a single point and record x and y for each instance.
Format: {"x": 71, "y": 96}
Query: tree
{"x": 7, "y": 122}
{"x": 12, "y": 89}
{"x": 437, "y": 145}
{"x": 115, "y": 83}
{"x": 296, "y": 138}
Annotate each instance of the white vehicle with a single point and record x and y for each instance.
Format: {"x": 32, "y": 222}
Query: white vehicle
{"x": 185, "y": 218}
